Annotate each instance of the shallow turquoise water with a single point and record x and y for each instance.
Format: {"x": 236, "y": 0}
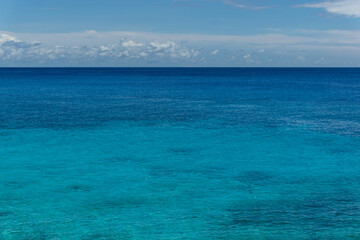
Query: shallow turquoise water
{"x": 133, "y": 160}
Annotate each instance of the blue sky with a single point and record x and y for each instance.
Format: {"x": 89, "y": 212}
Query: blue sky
{"x": 180, "y": 33}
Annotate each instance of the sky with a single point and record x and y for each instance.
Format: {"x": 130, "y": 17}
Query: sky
{"x": 180, "y": 33}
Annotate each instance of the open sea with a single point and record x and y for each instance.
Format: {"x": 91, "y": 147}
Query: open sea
{"x": 179, "y": 153}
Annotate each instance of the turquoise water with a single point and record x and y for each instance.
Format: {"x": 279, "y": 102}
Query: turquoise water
{"x": 180, "y": 154}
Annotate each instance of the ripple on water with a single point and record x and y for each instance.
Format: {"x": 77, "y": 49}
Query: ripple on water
{"x": 78, "y": 188}
{"x": 182, "y": 150}
{"x": 257, "y": 177}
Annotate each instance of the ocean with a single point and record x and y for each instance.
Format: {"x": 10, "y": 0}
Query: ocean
{"x": 179, "y": 153}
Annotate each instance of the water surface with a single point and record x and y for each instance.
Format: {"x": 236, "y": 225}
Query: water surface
{"x": 179, "y": 153}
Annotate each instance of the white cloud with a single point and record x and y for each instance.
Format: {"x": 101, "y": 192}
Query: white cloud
{"x": 233, "y": 3}
{"x": 7, "y": 38}
{"x": 247, "y": 56}
{"x": 143, "y": 54}
{"x": 349, "y": 8}
{"x": 320, "y": 60}
{"x": 162, "y": 46}
{"x": 301, "y": 58}
{"x": 171, "y": 49}
{"x": 103, "y": 48}
{"x": 131, "y": 43}
{"x": 82, "y": 49}
{"x": 145, "y": 49}
{"x": 240, "y": 4}
{"x": 11, "y": 48}
{"x": 215, "y": 52}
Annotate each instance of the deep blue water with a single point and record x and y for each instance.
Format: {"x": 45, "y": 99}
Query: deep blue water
{"x": 180, "y": 153}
